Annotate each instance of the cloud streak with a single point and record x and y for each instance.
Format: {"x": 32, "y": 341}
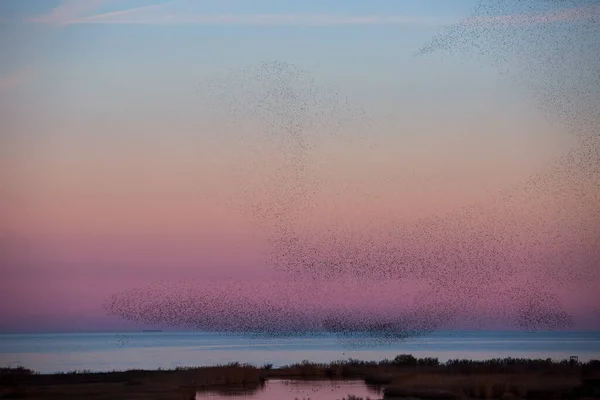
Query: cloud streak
{"x": 68, "y": 10}
{"x": 71, "y": 12}
{"x": 129, "y": 17}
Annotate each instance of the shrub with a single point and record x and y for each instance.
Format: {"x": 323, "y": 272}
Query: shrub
{"x": 405, "y": 359}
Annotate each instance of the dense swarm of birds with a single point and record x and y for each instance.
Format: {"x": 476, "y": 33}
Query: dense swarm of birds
{"x": 478, "y": 252}
{"x": 547, "y": 48}
{"x": 275, "y": 309}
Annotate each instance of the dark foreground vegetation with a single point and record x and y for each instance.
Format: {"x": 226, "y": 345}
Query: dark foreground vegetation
{"x": 402, "y": 377}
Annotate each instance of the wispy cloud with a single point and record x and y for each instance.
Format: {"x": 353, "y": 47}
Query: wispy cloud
{"x": 591, "y": 12}
{"x": 68, "y": 10}
{"x": 15, "y": 79}
{"x": 173, "y": 12}
{"x": 257, "y": 19}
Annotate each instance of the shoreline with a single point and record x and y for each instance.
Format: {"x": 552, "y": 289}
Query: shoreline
{"x": 404, "y": 374}
{"x": 103, "y": 352}
{"x": 407, "y": 360}
{"x": 317, "y": 333}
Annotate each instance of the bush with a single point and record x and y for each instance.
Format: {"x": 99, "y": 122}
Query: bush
{"x": 429, "y": 362}
{"x": 13, "y": 375}
{"x": 405, "y": 360}
{"x": 15, "y": 371}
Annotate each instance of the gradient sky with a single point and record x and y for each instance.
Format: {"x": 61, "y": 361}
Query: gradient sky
{"x": 113, "y": 174}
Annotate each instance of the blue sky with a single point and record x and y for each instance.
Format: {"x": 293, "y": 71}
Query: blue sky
{"x": 61, "y": 56}
{"x": 62, "y": 44}
{"x": 47, "y": 31}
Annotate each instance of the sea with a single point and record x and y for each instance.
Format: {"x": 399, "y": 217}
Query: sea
{"x": 63, "y": 352}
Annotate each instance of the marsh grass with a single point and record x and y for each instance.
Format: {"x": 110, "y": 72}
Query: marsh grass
{"x": 178, "y": 383}
{"x": 541, "y": 379}
{"x": 485, "y": 386}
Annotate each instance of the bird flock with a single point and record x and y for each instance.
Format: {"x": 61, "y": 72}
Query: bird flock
{"x": 496, "y": 256}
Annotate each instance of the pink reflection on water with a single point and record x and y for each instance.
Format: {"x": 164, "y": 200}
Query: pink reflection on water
{"x": 301, "y": 390}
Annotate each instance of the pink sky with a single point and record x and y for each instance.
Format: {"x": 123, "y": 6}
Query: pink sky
{"x": 116, "y": 174}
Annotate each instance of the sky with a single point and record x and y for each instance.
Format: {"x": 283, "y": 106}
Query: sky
{"x": 116, "y": 174}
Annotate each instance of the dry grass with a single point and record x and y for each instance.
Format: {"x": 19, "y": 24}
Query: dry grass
{"x": 486, "y": 386}
{"x": 536, "y": 379}
{"x": 177, "y": 384}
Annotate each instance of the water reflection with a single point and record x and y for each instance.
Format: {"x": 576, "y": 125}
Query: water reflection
{"x": 296, "y": 389}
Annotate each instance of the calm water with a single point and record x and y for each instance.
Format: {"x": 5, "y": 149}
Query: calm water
{"x": 151, "y": 350}
{"x": 301, "y": 390}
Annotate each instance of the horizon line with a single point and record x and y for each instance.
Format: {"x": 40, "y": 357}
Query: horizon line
{"x": 166, "y": 330}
